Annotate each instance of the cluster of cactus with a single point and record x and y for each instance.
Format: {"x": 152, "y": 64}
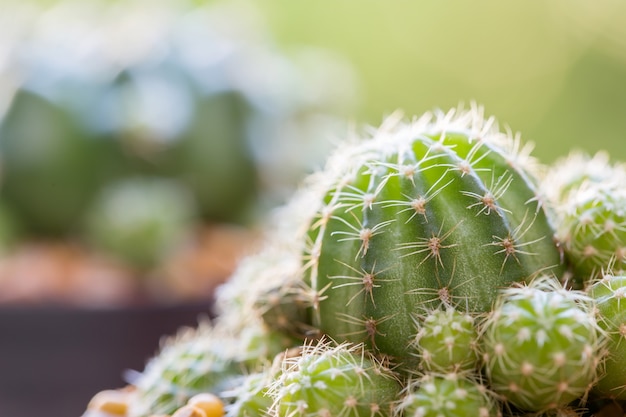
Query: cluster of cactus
{"x": 425, "y": 272}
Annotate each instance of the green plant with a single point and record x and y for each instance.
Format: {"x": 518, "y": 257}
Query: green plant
{"x": 447, "y": 395}
{"x": 333, "y": 380}
{"x": 250, "y": 398}
{"x": 542, "y": 345}
{"x": 588, "y": 196}
{"x": 440, "y": 211}
{"x": 609, "y": 294}
{"x": 447, "y": 341}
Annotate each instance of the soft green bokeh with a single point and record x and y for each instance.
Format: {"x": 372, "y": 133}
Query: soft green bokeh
{"x": 553, "y": 70}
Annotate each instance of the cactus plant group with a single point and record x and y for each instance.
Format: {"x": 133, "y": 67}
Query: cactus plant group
{"x": 423, "y": 272}
{"x": 441, "y": 211}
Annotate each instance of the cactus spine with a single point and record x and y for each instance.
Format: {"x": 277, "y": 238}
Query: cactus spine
{"x": 542, "y": 345}
{"x": 443, "y": 210}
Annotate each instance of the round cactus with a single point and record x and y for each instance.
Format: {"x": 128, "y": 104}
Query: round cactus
{"x": 587, "y": 196}
{"x": 593, "y": 228}
{"x": 609, "y": 294}
{"x": 542, "y": 345}
{"x": 448, "y": 395}
{"x": 577, "y": 170}
{"x": 441, "y": 211}
{"x": 447, "y": 341}
{"x": 326, "y": 380}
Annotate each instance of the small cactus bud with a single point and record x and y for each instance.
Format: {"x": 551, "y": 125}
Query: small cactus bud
{"x": 327, "y": 380}
{"x": 189, "y": 411}
{"x": 541, "y": 345}
{"x": 609, "y": 294}
{"x": 250, "y": 398}
{"x": 447, "y": 341}
{"x": 447, "y": 395}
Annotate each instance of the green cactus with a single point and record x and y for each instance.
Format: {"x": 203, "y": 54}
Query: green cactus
{"x": 212, "y": 358}
{"x": 593, "y": 228}
{"x": 197, "y": 361}
{"x": 609, "y": 294}
{"x": 587, "y": 195}
{"x": 141, "y": 220}
{"x": 542, "y": 345}
{"x": 557, "y": 412}
{"x": 330, "y": 380}
{"x": 447, "y": 341}
{"x": 440, "y": 211}
{"x": 575, "y": 171}
{"x": 447, "y": 395}
{"x": 267, "y": 284}
{"x": 250, "y": 398}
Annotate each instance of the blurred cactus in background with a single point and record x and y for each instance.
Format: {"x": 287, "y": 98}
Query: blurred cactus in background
{"x": 94, "y": 94}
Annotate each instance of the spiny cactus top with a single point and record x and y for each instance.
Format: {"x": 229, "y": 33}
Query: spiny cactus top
{"x": 442, "y": 210}
{"x": 542, "y": 345}
{"x": 447, "y": 395}
{"x": 589, "y": 196}
{"x": 328, "y": 380}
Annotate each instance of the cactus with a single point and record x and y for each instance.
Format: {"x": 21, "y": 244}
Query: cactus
{"x": 250, "y": 398}
{"x": 447, "y": 395}
{"x": 333, "y": 380}
{"x": 440, "y": 211}
{"x": 197, "y": 361}
{"x": 609, "y": 294}
{"x": 588, "y": 197}
{"x": 593, "y": 228}
{"x": 542, "y": 345}
{"x": 266, "y": 284}
{"x": 577, "y": 170}
{"x": 141, "y": 220}
{"x": 447, "y": 341}
{"x": 211, "y": 358}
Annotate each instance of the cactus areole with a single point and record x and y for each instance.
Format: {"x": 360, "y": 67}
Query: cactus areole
{"x": 439, "y": 211}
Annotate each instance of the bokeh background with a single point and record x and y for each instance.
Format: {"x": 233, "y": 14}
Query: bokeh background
{"x": 555, "y": 71}
{"x": 185, "y": 122}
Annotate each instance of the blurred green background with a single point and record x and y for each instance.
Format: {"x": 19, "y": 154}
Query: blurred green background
{"x": 553, "y": 70}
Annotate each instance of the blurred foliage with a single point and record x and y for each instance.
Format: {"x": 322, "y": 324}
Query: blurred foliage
{"x": 553, "y": 70}
{"x": 96, "y": 92}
